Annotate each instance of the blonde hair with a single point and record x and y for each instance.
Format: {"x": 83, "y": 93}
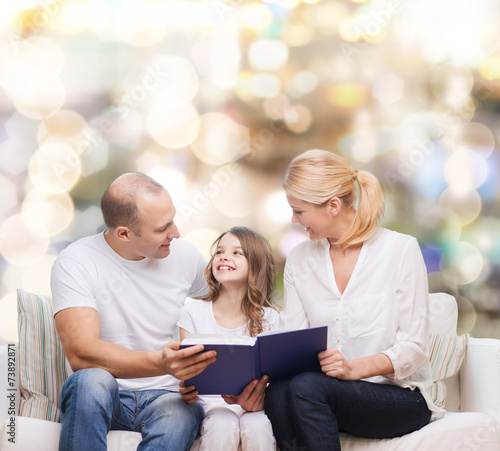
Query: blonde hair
{"x": 318, "y": 175}
{"x": 260, "y": 280}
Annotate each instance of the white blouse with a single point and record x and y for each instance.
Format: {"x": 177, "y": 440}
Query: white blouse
{"x": 383, "y": 309}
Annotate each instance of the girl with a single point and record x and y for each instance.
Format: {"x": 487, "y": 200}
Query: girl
{"x": 240, "y": 276}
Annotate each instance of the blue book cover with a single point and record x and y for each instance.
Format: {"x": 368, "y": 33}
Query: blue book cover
{"x": 279, "y": 354}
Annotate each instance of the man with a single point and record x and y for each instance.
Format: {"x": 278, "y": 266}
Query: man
{"x": 117, "y": 297}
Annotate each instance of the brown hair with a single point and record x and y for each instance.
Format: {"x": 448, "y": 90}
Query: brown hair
{"x": 261, "y": 270}
{"x": 318, "y": 175}
{"x": 119, "y": 201}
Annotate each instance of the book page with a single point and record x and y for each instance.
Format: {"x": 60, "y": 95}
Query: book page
{"x": 208, "y": 339}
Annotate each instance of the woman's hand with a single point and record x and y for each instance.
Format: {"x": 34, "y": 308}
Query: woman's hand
{"x": 334, "y": 364}
{"x": 252, "y": 397}
{"x": 189, "y": 394}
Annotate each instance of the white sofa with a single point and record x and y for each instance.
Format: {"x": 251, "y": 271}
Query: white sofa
{"x": 472, "y": 421}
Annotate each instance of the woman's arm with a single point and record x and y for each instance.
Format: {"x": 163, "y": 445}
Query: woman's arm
{"x": 334, "y": 364}
{"x": 293, "y": 315}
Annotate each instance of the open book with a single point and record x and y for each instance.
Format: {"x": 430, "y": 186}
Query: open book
{"x": 279, "y": 354}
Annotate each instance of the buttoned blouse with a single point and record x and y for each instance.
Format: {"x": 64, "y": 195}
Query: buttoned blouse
{"x": 383, "y": 309}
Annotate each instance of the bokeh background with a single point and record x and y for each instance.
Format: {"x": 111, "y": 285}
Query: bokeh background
{"x": 214, "y": 98}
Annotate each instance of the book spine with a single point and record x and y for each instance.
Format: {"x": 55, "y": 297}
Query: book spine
{"x": 256, "y": 360}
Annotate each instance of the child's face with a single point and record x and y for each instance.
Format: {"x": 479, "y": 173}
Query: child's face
{"x": 230, "y": 266}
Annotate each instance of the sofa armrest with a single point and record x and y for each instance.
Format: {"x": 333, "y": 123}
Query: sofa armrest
{"x": 480, "y": 377}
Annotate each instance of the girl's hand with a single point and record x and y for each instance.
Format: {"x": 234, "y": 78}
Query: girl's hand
{"x": 252, "y": 397}
{"x": 334, "y": 364}
{"x": 189, "y": 394}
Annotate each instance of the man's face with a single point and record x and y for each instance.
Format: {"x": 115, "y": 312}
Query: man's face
{"x": 157, "y": 229}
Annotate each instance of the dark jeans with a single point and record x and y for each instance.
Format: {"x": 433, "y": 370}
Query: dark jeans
{"x": 308, "y": 411}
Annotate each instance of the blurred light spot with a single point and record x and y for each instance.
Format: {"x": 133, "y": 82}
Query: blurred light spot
{"x": 85, "y": 222}
{"x": 255, "y": 16}
{"x": 63, "y": 124}
{"x": 18, "y": 244}
{"x": 217, "y": 55}
{"x": 53, "y": 56}
{"x": 21, "y": 66}
{"x": 288, "y": 4}
{"x": 464, "y": 261}
{"x": 303, "y": 83}
{"x": 47, "y": 214}
{"x": 347, "y": 95}
{"x": 54, "y": 168}
{"x": 135, "y": 22}
{"x": 424, "y": 160}
{"x": 166, "y": 76}
{"x": 296, "y": 35}
{"x": 71, "y": 17}
{"x": 8, "y": 318}
{"x": 9, "y": 195}
{"x": 203, "y": 240}
{"x": 432, "y": 258}
{"x": 267, "y": 54}
{"x": 172, "y": 179}
{"x": 465, "y": 203}
{"x": 276, "y": 208}
{"x": 484, "y": 233}
{"x": 465, "y": 169}
{"x": 17, "y": 150}
{"x": 173, "y": 123}
{"x": 491, "y": 186}
{"x": 236, "y": 200}
{"x": 244, "y": 86}
{"x": 298, "y": 118}
{"x": 489, "y": 69}
{"x": 440, "y": 227}
{"x": 475, "y": 136}
{"x": 41, "y": 100}
{"x": 290, "y": 240}
{"x": 451, "y": 83}
{"x": 276, "y": 107}
{"x": 265, "y": 85}
{"x": 363, "y": 26}
{"x": 467, "y": 316}
{"x": 37, "y": 276}
{"x": 220, "y": 139}
{"x": 388, "y": 88}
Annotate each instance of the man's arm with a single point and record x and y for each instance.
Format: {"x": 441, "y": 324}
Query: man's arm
{"x": 79, "y": 329}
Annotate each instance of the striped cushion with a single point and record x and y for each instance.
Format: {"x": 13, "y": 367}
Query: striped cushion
{"x": 42, "y": 364}
{"x": 446, "y": 353}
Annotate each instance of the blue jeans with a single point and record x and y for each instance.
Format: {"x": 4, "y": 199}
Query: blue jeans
{"x": 308, "y": 411}
{"x": 92, "y": 405}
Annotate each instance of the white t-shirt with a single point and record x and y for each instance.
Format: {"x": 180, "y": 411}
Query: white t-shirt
{"x": 138, "y": 302}
{"x": 383, "y": 309}
{"x": 198, "y": 317}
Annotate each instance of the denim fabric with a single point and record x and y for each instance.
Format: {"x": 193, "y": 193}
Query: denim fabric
{"x": 92, "y": 405}
{"x": 308, "y": 411}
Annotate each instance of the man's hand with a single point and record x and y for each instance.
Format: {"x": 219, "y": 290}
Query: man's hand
{"x": 189, "y": 394}
{"x": 252, "y": 397}
{"x": 187, "y": 362}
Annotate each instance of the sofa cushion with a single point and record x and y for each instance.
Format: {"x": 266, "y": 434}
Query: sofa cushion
{"x": 42, "y": 363}
{"x": 446, "y": 353}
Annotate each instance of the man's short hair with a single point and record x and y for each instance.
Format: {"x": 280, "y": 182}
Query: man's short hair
{"x": 119, "y": 201}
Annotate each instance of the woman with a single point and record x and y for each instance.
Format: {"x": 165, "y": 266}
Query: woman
{"x": 369, "y": 285}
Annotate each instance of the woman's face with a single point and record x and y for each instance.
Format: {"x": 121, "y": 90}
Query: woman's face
{"x": 317, "y": 220}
